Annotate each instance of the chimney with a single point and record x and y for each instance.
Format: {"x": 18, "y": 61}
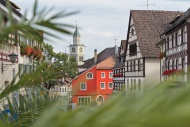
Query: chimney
{"x": 95, "y": 56}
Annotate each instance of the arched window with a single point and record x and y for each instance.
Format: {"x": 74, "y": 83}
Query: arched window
{"x": 89, "y": 75}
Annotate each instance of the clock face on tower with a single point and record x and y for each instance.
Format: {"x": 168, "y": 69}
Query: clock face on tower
{"x": 73, "y": 49}
{"x": 80, "y": 49}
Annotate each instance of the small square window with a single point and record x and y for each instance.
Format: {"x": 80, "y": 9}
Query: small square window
{"x": 102, "y": 85}
{"x": 110, "y": 85}
{"x": 83, "y": 86}
{"x": 103, "y": 75}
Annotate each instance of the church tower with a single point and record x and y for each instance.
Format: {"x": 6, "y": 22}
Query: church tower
{"x": 77, "y": 49}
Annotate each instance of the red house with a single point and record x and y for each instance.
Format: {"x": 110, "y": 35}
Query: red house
{"x": 96, "y": 83}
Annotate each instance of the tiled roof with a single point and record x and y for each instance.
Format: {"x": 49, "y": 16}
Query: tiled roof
{"x": 149, "y": 25}
{"x": 100, "y": 57}
{"x": 180, "y": 20}
{"x": 107, "y": 63}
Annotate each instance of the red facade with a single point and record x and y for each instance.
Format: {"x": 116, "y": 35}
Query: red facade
{"x": 94, "y": 85}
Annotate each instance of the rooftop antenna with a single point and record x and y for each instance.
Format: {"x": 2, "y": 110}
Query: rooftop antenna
{"x": 147, "y": 5}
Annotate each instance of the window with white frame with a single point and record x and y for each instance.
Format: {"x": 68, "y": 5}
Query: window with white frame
{"x": 110, "y": 75}
{"x": 83, "y": 86}
{"x": 103, "y": 75}
{"x": 102, "y": 85}
{"x": 89, "y": 75}
{"x": 110, "y": 85}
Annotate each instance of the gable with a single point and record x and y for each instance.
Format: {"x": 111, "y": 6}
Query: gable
{"x": 132, "y": 39}
{"x": 107, "y": 63}
{"x": 148, "y": 26}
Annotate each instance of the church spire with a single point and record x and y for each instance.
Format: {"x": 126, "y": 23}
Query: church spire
{"x": 76, "y": 33}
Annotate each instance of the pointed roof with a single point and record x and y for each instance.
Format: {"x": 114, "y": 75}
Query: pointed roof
{"x": 76, "y": 33}
{"x": 149, "y": 25}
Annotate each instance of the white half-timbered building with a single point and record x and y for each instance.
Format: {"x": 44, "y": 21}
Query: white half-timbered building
{"x": 175, "y": 44}
{"x": 142, "y": 63}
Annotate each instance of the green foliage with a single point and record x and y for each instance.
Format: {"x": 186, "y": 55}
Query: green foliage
{"x": 42, "y": 21}
{"x": 60, "y": 65}
{"x": 167, "y": 105}
{"x": 31, "y": 105}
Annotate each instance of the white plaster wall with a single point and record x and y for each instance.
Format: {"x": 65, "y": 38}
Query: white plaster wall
{"x": 131, "y": 90}
{"x": 152, "y": 73}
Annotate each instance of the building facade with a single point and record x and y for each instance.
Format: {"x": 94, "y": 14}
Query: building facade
{"x": 95, "y": 84}
{"x": 119, "y": 68}
{"x": 174, "y": 46}
{"x": 142, "y": 63}
{"x": 26, "y": 50}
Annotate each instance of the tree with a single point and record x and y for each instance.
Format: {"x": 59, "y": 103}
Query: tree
{"x": 60, "y": 65}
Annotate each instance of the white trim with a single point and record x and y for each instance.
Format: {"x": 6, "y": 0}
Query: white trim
{"x": 111, "y": 74}
{"x": 85, "y": 85}
{"x": 87, "y": 75}
{"x": 109, "y": 85}
{"x": 104, "y": 74}
{"x": 101, "y": 85}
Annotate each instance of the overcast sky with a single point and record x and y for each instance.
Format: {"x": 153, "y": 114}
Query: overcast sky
{"x": 100, "y": 21}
